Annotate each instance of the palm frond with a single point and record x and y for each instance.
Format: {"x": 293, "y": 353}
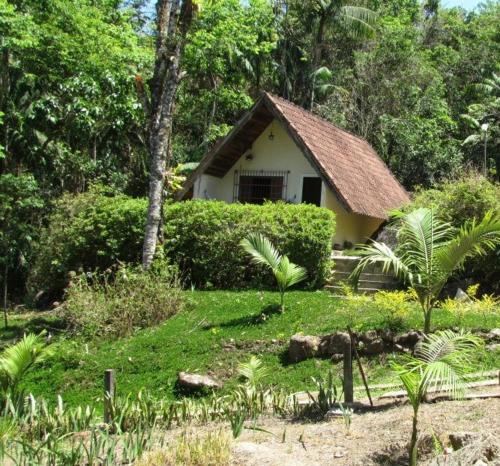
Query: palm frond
{"x": 380, "y": 253}
{"x": 18, "y": 358}
{"x": 358, "y": 21}
{"x": 471, "y": 121}
{"x": 289, "y": 274}
{"x": 446, "y": 358}
{"x": 261, "y": 250}
{"x": 252, "y": 371}
{"x": 473, "y": 239}
{"x": 420, "y": 234}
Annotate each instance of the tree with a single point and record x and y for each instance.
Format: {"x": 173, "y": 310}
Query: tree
{"x": 285, "y": 272}
{"x": 428, "y": 253}
{"x": 173, "y": 22}
{"x": 20, "y": 207}
{"x": 439, "y": 362}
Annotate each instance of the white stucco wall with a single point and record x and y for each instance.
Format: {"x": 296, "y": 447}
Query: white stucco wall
{"x": 283, "y": 154}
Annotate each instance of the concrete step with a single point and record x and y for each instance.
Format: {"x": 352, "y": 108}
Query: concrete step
{"x": 349, "y": 263}
{"x": 378, "y": 277}
{"x": 338, "y": 290}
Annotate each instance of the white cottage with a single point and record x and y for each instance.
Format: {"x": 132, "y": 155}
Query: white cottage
{"x": 279, "y": 151}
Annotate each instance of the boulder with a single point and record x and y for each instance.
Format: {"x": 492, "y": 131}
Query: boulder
{"x": 388, "y": 336}
{"x": 493, "y": 335}
{"x": 302, "y": 347}
{"x": 374, "y": 347}
{"x": 194, "y": 382}
{"x": 368, "y": 336}
{"x": 409, "y": 339}
{"x": 333, "y": 344}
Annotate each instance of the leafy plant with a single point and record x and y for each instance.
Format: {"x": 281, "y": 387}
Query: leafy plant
{"x": 119, "y": 303}
{"x": 327, "y": 394}
{"x": 429, "y": 252}
{"x": 346, "y": 416}
{"x": 439, "y": 363}
{"x": 285, "y": 272}
{"x": 16, "y": 360}
{"x": 253, "y": 372}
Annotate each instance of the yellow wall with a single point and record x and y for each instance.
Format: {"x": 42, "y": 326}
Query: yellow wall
{"x": 282, "y": 154}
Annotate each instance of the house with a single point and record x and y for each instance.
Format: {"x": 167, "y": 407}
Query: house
{"x": 279, "y": 151}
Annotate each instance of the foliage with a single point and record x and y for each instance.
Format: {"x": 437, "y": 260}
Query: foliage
{"x": 87, "y": 232}
{"x": 16, "y": 361}
{"x": 20, "y": 207}
{"x": 131, "y": 299}
{"x": 429, "y": 251}
{"x": 203, "y": 238}
{"x": 440, "y": 363}
{"x": 285, "y": 272}
{"x": 71, "y": 114}
{"x": 326, "y": 396}
{"x": 456, "y": 201}
{"x": 211, "y": 335}
{"x": 212, "y": 449}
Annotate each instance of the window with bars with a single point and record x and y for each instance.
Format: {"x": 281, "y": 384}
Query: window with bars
{"x": 255, "y": 187}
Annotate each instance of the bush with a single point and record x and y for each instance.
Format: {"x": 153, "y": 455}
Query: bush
{"x": 97, "y": 229}
{"x": 203, "y": 238}
{"x": 457, "y": 201}
{"x": 87, "y": 232}
{"x": 133, "y": 299}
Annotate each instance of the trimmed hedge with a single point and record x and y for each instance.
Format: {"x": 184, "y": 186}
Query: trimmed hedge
{"x": 203, "y": 238}
{"x": 97, "y": 229}
{"x": 87, "y": 232}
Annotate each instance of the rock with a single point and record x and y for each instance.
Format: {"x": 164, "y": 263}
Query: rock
{"x": 333, "y": 344}
{"x": 461, "y": 296}
{"x": 493, "y": 334}
{"x": 337, "y": 357}
{"x": 409, "y": 339}
{"x": 375, "y": 347}
{"x": 387, "y": 336}
{"x": 368, "y": 337}
{"x": 303, "y": 347}
{"x": 460, "y": 439}
{"x": 197, "y": 381}
{"x": 480, "y": 463}
{"x": 55, "y": 304}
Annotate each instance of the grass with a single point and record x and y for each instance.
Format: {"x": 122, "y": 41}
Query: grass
{"x": 216, "y": 331}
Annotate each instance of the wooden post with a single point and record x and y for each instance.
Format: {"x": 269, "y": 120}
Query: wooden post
{"x": 109, "y": 394}
{"x": 348, "y": 387}
{"x": 356, "y": 355}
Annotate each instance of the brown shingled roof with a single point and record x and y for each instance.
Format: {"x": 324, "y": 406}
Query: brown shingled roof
{"x": 347, "y": 163}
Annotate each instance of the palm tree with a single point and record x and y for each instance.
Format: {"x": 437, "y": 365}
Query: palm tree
{"x": 356, "y": 21}
{"x": 16, "y": 360}
{"x": 439, "y": 363}
{"x": 285, "y": 272}
{"x": 429, "y": 252}
{"x": 479, "y": 136}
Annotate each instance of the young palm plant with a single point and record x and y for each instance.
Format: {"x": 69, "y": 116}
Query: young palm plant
{"x": 439, "y": 363}
{"x": 16, "y": 360}
{"x": 285, "y": 272}
{"x": 429, "y": 252}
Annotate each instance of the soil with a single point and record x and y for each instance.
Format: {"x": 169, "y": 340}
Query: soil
{"x": 374, "y": 438}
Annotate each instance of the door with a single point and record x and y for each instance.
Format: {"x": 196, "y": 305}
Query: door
{"x": 311, "y": 190}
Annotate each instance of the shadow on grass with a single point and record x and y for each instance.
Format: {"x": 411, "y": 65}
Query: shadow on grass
{"x": 36, "y": 325}
{"x": 254, "y": 319}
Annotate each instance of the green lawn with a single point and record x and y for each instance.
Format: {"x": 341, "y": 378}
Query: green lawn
{"x": 219, "y": 329}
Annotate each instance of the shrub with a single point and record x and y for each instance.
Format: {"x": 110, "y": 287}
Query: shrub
{"x": 132, "y": 299}
{"x": 90, "y": 231}
{"x": 203, "y": 238}
{"x": 457, "y": 201}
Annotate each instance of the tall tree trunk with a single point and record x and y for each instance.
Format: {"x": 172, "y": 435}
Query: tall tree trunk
{"x": 173, "y": 22}
{"x": 5, "y": 289}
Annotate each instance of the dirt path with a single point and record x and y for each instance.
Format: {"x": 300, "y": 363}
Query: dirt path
{"x": 374, "y": 438}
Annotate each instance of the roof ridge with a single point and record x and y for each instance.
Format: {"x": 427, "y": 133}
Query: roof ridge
{"x": 314, "y": 115}
{"x": 323, "y": 120}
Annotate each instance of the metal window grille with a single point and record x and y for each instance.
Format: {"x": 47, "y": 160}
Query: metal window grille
{"x": 257, "y": 186}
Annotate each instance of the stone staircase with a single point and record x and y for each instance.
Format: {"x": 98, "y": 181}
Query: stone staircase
{"x": 371, "y": 280}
